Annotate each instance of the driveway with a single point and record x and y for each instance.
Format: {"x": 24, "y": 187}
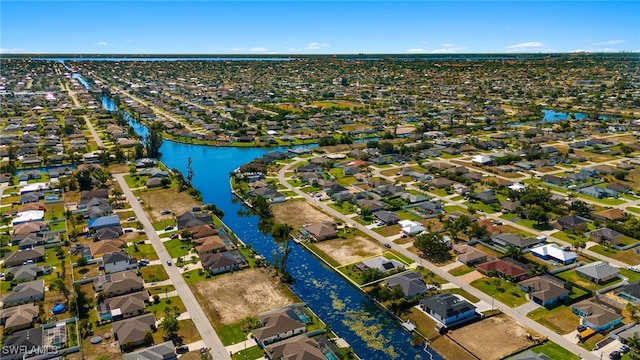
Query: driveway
{"x": 524, "y": 309}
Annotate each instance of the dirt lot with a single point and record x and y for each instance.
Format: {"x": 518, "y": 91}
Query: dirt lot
{"x": 169, "y": 199}
{"x": 505, "y": 335}
{"x": 231, "y": 297}
{"x": 298, "y": 213}
{"x": 470, "y": 277}
{"x": 346, "y": 251}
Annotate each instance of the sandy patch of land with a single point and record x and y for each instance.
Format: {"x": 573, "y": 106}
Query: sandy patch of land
{"x": 165, "y": 199}
{"x": 297, "y": 213}
{"x": 346, "y": 251}
{"x": 470, "y": 277}
{"x": 229, "y": 298}
{"x": 505, "y": 335}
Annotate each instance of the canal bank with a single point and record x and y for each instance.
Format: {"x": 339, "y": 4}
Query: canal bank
{"x": 371, "y": 331}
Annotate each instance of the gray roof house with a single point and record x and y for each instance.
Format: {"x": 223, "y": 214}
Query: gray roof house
{"x": 22, "y": 341}
{"x": 132, "y": 331}
{"x": 388, "y": 217}
{"x": 27, "y": 255}
{"x": 379, "y": 262}
{"x": 411, "y": 283}
{"x": 448, "y": 309}
{"x": 598, "y": 271}
{"x": 25, "y": 292}
{"x": 516, "y": 240}
{"x": 162, "y": 351}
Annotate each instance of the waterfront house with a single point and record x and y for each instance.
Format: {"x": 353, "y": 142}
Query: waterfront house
{"x": 191, "y": 219}
{"x": 598, "y": 272}
{"x": 319, "y": 231}
{"x": 543, "y": 291}
{"x": 218, "y": 263}
{"x": 297, "y": 347}
{"x": 276, "y": 327}
{"x": 448, "y": 310}
{"x": 379, "y": 262}
{"x": 210, "y": 244}
{"x": 411, "y": 283}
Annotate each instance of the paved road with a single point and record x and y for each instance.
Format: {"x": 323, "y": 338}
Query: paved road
{"x": 557, "y": 338}
{"x": 92, "y": 130}
{"x": 208, "y": 334}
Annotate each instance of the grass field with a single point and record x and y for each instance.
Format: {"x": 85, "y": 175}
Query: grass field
{"x": 554, "y": 351}
{"x": 504, "y": 291}
{"x": 559, "y": 319}
{"x": 626, "y": 256}
{"x": 177, "y": 248}
{"x": 142, "y": 251}
{"x": 461, "y": 270}
{"x": 153, "y": 273}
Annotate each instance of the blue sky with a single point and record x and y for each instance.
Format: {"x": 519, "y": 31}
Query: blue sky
{"x": 309, "y": 27}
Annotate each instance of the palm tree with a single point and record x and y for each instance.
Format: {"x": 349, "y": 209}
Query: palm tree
{"x": 634, "y": 344}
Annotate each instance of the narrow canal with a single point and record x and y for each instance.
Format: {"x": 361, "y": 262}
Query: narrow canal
{"x": 372, "y": 333}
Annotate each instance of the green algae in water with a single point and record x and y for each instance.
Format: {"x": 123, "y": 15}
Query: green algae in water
{"x": 370, "y": 334}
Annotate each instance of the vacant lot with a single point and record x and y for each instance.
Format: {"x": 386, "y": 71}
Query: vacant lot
{"x": 346, "y": 251}
{"x": 231, "y": 297}
{"x": 505, "y": 335}
{"x": 298, "y": 213}
{"x": 165, "y": 199}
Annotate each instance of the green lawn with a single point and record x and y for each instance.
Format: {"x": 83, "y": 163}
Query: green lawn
{"x": 559, "y": 319}
{"x": 509, "y": 216}
{"x": 487, "y": 208}
{"x": 507, "y": 293}
{"x": 171, "y": 305}
{"x": 252, "y": 353}
{"x": 153, "y": 273}
{"x": 195, "y": 276}
{"x": 160, "y": 289}
{"x": 405, "y": 215}
{"x": 631, "y": 275}
{"x": 464, "y": 293}
{"x": 392, "y": 255}
{"x": 461, "y": 270}
{"x": 626, "y": 256}
{"x": 144, "y": 251}
{"x": 452, "y": 208}
{"x": 605, "y": 201}
{"x": 531, "y": 224}
{"x": 634, "y": 209}
{"x": 440, "y": 192}
{"x": 347, "y": 180}
{"x": 554, "y": 351}
{"x": 177, "y": 248}
{"x": 346, "y": 208}
{"x": 457, "y": 198}
{"x": 231, "y": 334}
{"x": 568, "y": 237}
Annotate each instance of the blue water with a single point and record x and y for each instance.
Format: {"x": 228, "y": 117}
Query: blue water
{"x": 550, "y": 116}
{"x": 62, "y": 59}
{"x": 349, "y": 313}
{"x": 81, "y": 80}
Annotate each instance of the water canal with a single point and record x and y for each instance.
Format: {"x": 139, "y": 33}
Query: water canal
{"x": 372, "y": 333}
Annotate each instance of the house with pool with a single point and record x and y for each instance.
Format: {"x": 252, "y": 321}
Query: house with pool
{"x": 596, "y": 316}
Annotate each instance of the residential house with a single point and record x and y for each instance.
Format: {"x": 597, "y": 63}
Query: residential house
{"x": 598, "y": 192}
{"x": 319, "y": 231}
{"x": 218, "y": 263}
{"x": 413, "y": 198}
{"x": 543, "y": 291}
{"x": 162, "y": 351}
{"x": 571, "y": 222}
{"x": 211, "y": 244}
{"x": 105, "y": 247}
{"x": 28, "y": 272}
{"x": 203, "y": 231}
{"x": 119, "y": 283}
{"x": 630, "y": 292}
{"x": 103, "y": 222}
{"x": 411, "y": 227}
{"x": 299, "y": 347}
{"x": 387, "y": 217}
{"x": 372, "y": 205}
{"x": 596, "y": 316}
{"x": 270, "y": 194}
{"x": 441, "y": 182}
{"x": 192, "y": 219}
{"x": 469, "y": 255}
{"x": 276, "y": 327}
{"x": 530, "y": 355}
{"x": 448, "y": 309}
{"x": 22, "y": 344}
{"x": 108, "y": 233}
{"x": 503, "y": 267}
{"x": 489, "y": 226}
{"x": 431, "y": 207}
{"x": 598, "y": 272}
{"x": 123, "y": 306}
{"x": 555, "y": 253}
{"x": 508, "y": 239}
{"x": 554, "y": 180}
{"x": 19, "y": 317}
{"x": 131, "y": 332}
{"x": 379, "y": 262}
{"x": 613, "y": 214}
{"x": 487, "y": 196}
{"x": 510, "y": 206}
{"x": 153, "y": 182}
{"x": 606, "y": 236}
{"x": 619, "y": 187}
{"x": 26, "y": 256}
{"x": 411, "y": 283}
{"x": 25, "y": 292}
{"x": 118, "y": 261}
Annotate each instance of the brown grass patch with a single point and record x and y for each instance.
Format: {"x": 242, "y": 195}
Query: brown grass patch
{"x": 505, "y": 335}
{"x": 169, "y": 199}
{"x": 229, "y": 298}
{"x": 297, "y": 213}
{"x": 346, "y": 251}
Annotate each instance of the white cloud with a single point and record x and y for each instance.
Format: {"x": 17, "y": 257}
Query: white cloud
{"x": 15, "y": 50}
{"x": 610, "y": 42}
{"x": 448, "y": 49}
{"x": 259, "y": 49}
{"x": 239, "y": 49}
{"x": 102, "y": 43}
{"x": 316, "y": 46}
{"x": 414, "y": 51}
{"x": 531, "y": 45}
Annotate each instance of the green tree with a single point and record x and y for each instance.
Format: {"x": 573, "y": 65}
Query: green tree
{"x": 620, "y": 174}
{"x": 169, "y": 326}
{"x": 190, "y": 172}
{"x": 59, "y": 285}
{"x": 432, "y": 246}
{"x": 153, "y": 141}
{"x": 538, "y": 214}
{"x": 515, "y": 253}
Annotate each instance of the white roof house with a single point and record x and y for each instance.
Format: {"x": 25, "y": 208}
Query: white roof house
{"x": 553, "y": 251}
{"x": 516, "y": 187}
{"x": 410, "y": 227}
{"x": 480, "y": 159}
{"x": 26, "y": 216}
{"x": 33, "y": 187}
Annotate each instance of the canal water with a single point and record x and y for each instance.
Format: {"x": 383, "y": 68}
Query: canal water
{"x": 372, "y": 333}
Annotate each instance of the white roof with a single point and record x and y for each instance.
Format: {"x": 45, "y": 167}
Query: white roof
{"x": 26, "y": 216}
{"x": 516, "y": 187}
{"x": 410, "y": 227}
{"x": 554, "y": 251}
{"x": 33, "y": 187}
{"x": 480, "y": 159}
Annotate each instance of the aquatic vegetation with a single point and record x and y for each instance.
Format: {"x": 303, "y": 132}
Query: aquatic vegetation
{"x": 369, "y": 331}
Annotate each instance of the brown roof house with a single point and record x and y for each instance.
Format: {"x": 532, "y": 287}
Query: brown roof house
{"x": 543, "y": 291}
{"x": 121, "y": 283}
{"x": 300, "y": 347}
{"x": 211, "y": 244}
{"x": 609, "y": 215}
{"x": 132, "y": 332}
{"x": 571, "y": 222}
{"x": 202, "y": 231}
{"x": 319, "y": 231}
{"x": 469, "y": 255}
{"x": 19, "y": 317}
{"x": 503, "y": 267}
{"x": 28, "y": 256}
{"x": 606, "y": 236}
{"x": 276, "y": 327}
{"x": 218, "y": 263}
{"x": 124, "y": 306}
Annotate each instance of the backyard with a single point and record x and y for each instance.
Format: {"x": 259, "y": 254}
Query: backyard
{"x": 506, "y": 292}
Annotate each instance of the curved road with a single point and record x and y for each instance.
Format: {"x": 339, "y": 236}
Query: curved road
{"x": 557, "y": 338}
{"x": 208, "y": 334}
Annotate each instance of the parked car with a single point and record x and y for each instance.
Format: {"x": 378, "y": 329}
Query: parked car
{"x": 634, "y": 269}
{"x": 182, "y": 349}
{"x": 624, "y": 349}
{"x": 165, "y": 212}
{"x": 615, "y": 355}
{"x": 581, "y": 328}
{"x": 387, "y": 245}
{"x": 174, "y": 236}
{"x": 131, "y": 218}
{"x": 168, "y": 228}
{"x": 168, "y": 262}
